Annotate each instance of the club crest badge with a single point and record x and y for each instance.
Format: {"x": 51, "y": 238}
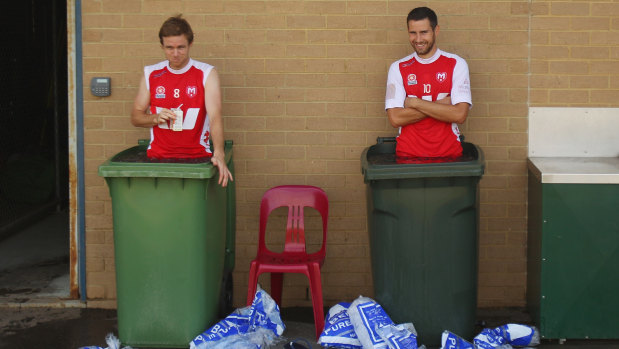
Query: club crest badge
{"x": 411, "y": 79}
{"x": 440, "y": 77}
{"x": 191, "y": 91}
{"x": 160, "y": 92}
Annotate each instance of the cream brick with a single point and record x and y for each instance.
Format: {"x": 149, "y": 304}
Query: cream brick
{"x": 591, "y": 82}
{"x": 120, "y": 6}
{"x": 324, "y": 7}
{"x": 573, "y": 8}
{"x": 244, "y": 6}
{"x": 306, "y": 138}
{"x": 95, "y": 291}
{"x": 390, "y": 52}
{"x": 520, "y": 8}
{"x": 286, "y": 123}
{"x": 569, "y": 97}
{"x": 519, "y": 95}
{"x": 306, "y": 21}
{"x": 286, "y": 152}
{"x": 604, "y": 97}
{"x": 590, "y": 52}
{"x": 499, "y": 37}
{"x": 566, "y": 38}
{"x": 265, "y": 138}
{"x": 345, "y": 22}
{"x": 368, "y": 37}
{"x": 326, "y": 124}
{"x": 325, "y": 95}
{"x": 325, "y": 152}
{"x": 265, "y": 21}
{"x": 550, "y": 23}
{"x": 286, "y": 36}
{"x": 309, "y": 167}
{"x": 325, "y": 65}
{"x": 367, "y": 7}
{"x": 246, "y": 123}
{"x": 605, "y": 9}
{"x": 326, "y": 36}
{"x": 305, "y": 109}
{"x": 266, "y": 50}
{"x": 604, "y": 68}
{"x": 244, "y": 94}
{"x": 245, "y": 36}
{"x": 91, "y": 6}
{"x": 285, "y": 94}
{"x": 266, "y": 166}
{"x": 467, "y": 23}
{"x": 371, "y": 123}
{"x": 445, "y": 8}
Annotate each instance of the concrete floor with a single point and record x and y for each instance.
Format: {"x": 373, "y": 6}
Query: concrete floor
{"x": 34, "y": 262}
{"x": 35, "y": 312}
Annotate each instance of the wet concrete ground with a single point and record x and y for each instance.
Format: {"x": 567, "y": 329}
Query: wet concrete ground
{"x": 31, "y": 327}
{"x": 72, "y": 328}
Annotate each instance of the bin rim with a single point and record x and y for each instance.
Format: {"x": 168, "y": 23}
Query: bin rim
{"x": 204, "y": 170}
{"x": 473, "y": 168}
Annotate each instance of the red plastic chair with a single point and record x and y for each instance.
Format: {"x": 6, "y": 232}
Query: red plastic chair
{"x": 294, "y": 258}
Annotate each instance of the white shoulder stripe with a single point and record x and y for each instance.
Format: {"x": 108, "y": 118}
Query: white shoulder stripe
{"x": 151, "y": 68}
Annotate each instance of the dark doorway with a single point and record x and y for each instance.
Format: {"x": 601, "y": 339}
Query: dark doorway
{"x": 34, "y": 180}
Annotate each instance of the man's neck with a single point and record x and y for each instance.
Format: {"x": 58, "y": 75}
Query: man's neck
{"x": 181, "y": 68}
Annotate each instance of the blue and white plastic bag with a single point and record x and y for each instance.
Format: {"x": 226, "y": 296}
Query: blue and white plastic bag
{"x": 367, "y": 316}
{"x": 520, "y": 335}
{"x": 339, "y": 331}
{"x": 264, "y": 313}
{"x": 452, "y": 341}
{"x": 234, "y": 324}
{"x": 402, "y": 336}
{"x": 251, "y": 327}
{"x": 490, "y": 339}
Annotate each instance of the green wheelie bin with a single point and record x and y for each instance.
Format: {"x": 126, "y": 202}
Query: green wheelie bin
{"x": 174, "y": 237}
{"x": 423, "y": 227}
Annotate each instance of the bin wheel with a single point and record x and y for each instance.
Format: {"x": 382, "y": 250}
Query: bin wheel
{"x": 225, "y": 299}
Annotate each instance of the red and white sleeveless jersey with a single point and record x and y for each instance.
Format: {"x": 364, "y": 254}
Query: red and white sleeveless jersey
{"x": 170, "y": 89}
{"x": 444, "y": 74}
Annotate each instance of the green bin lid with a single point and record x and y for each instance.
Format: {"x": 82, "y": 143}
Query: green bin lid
{"x": 132, "y": 162}
{"x": 378, "y": 162}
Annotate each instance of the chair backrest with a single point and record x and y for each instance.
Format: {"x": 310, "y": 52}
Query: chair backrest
{"x": 296, "y": 198}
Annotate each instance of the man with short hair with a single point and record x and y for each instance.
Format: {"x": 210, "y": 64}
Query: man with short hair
{"x": 192, "y": 89}
{"x": 428, "y": 93}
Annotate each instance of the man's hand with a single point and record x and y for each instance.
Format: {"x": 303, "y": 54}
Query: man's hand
{"x": 140, "y": 115}
{"x": 225, "y": 175}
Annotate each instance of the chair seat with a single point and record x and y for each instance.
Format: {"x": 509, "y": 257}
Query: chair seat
{"x": 288, "y": 261}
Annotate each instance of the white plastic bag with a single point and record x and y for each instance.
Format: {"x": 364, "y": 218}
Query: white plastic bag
{"x": 367, "y": 316}
{"x": 339, "y": 331}
{"x": 402, "y": 336}
{"x": 111, "y": 341}
{"x": 256, "y": 326}
{"x": 452, "y": 341}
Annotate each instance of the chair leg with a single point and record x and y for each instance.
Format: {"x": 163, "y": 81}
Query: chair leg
{"x": 277, "y": 282}
{"x": 316, "y": 289}
{"x": 252, "y": 284}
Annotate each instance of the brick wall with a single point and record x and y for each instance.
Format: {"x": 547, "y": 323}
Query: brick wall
{"x": 303, "y": 92}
